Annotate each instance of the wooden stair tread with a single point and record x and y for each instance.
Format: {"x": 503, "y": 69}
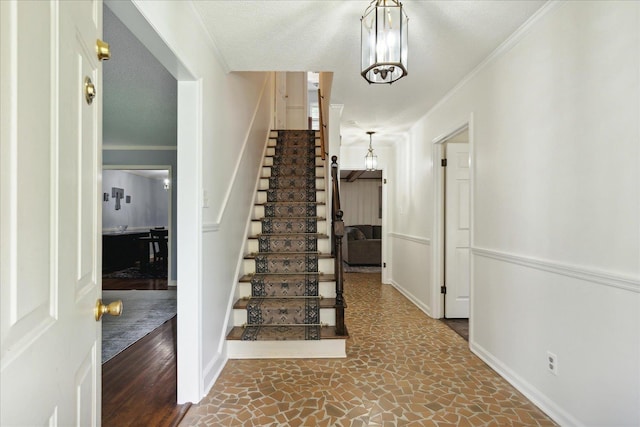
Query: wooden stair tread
{"x": 321, "y": 277}
{"x": 320, "y": 255}
{"x": 326, "y": 333}
{"x": 316, "y": 235}
{"x": 267, "y": 203}
{"x": 317, "y": 156}
{"x": 316, "y": 218}
{"x": 291, "y": 189}
{"x": 241, "y": 304}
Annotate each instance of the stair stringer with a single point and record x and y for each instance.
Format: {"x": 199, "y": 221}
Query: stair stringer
{"x": 234, "y": 293}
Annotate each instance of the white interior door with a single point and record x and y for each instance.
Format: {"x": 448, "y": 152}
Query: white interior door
{"x": 50, "y": 154}
{"x": 457, "y": 216}
{"x": 297, "y": 95}
{"x": 281, "y": 101}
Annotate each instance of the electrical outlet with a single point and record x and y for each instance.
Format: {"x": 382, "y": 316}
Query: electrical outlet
{"x": 552, "y": 363}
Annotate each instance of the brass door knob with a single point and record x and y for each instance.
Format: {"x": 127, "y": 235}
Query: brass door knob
{"x": 102, "y": 50}
{"x": 113, "y": 308}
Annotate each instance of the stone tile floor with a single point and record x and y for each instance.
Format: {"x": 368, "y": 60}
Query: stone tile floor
{"x": 402, "y": 369}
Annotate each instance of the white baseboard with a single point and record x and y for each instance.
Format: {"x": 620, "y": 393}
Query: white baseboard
{"x": 530, "y": 392}
{"x": 212, "y": 371}
{"x": 412, "y": 298}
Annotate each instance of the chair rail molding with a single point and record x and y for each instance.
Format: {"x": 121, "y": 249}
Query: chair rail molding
{"x": 210, "y": 227}
{"x": 577, "y": 272}
{"x": 421, "y": 240}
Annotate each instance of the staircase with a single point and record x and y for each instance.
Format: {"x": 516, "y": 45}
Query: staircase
{"x": 286, "y": 307}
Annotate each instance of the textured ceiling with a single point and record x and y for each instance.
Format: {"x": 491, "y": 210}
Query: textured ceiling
{"x": 447, "y": 40}
{"x": 140, "y": 96}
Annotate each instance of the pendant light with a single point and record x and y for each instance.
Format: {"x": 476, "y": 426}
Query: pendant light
{"x": 370, "y": 160}
{"x": 384, "y": 42}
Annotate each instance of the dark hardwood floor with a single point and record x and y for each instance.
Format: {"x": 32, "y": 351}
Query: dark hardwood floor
{"x": 139, "y": 384}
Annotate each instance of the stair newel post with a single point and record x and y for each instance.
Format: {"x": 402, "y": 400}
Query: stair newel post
{"x": 335, "y": 199}
{"x": 338, "y": 231}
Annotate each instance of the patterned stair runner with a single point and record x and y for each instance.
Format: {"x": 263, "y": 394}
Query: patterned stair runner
{"x": 284, "y": 303}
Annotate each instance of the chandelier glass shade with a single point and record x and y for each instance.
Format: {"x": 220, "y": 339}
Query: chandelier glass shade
{"x": 370, "y": 160}
{"x": 384, "y": 42}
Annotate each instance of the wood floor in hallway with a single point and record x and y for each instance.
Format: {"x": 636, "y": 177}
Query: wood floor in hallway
{"x": 402, "y": 369}
{"x": 139, "y": 384}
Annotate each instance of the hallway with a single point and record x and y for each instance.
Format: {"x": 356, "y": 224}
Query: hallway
{"x": 402, "y": 368}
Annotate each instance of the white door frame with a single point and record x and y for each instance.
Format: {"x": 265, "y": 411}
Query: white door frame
{"x": 188, "y": 210}
{"x": 384, "y": 241}
{"x": 438, "y": 258}
{"x": 386, "y": 260}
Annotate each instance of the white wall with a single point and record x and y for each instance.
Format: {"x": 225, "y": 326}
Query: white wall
{"x": 223, "y": 153}
{"x": 149, "y": 205}
{"x": 556, "y": 209}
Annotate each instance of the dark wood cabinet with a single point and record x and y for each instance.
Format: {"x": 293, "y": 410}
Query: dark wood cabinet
{"x": 122, "y": 250}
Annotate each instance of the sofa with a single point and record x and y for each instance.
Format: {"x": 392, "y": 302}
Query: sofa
{"x": 362, "y": 245}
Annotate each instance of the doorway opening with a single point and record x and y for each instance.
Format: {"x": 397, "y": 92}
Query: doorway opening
{"x": 453, "y": 223}
{"x": 362, "y": 204}
{"x": 140, "y": 117}
{"x": 137, "y": 227}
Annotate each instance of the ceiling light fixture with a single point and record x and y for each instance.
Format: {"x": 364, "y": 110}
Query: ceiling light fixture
{"x": 370, "y": 160}
{"x": 384, "y": 44}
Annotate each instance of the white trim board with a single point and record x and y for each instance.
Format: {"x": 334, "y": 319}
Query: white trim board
{"x": 415, "y": 239}
{"x": 602, "y": 278}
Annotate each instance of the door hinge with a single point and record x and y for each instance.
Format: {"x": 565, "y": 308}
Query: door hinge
{"x": 443, "y": 163}
{"x": 384, "y": 181}
{"x": 443, "y": 290}
{"x": 384, "y": 265}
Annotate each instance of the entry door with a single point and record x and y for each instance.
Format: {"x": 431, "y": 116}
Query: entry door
{"x": 50, "y": 154}
{"x": 457, "y": 216}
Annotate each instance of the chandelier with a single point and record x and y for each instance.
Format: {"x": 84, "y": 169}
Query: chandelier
{"x": 370, "y": 160}
{"x": 384, "y": 43}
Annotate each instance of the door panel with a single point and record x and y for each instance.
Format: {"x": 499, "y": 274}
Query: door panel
{"x": 281, "y": 100}
{"x": 457, "y": 220}
{"x": 49, "y": 156}
{"x": 297, "y": 100}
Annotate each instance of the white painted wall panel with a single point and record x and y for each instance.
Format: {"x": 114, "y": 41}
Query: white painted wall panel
{"x": 411, "y": 258}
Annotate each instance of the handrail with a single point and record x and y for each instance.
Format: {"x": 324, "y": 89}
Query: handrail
{"x": 322, "y": 126}
{"x": 337, "y": 232}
